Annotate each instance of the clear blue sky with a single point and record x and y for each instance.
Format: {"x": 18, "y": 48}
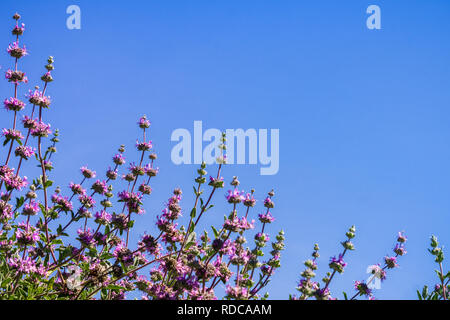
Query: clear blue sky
{"x": 363, "y": 114}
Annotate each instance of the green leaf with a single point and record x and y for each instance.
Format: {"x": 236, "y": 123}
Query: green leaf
{"x": 191, "y": 237}
{"x": 41, "y": 206}
{"x": 115, "y": 287}
{"x": 106, "y": 256}
{"x": 19, "y": 202}
{"x": 191, "y": 228}
{"x": 419, "y": 295}
{"x": 216, "y": 233}
{"x": 193, "y": 212}
{"x": 48, "y": 183}
{"x": 188, "y": 245}
{"x": 425, "y": 292}
{"x": 57, "y": 241}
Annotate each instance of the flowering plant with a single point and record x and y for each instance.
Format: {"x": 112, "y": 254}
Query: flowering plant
{"x": 41, "y": 259}
{"x": 74, "y": 243}
{"x": 309, "y": 288}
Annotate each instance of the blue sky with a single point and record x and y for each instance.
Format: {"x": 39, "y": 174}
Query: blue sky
{"x": 362, "y": 113}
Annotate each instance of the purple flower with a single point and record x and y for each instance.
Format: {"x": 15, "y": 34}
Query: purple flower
{"x": 235, "y": 196}
{"x": 63, "y": 202}
{"x": 362, "y": 288}
{"x": 87, "y": 173}
{"x": 86, "y": 237}
{"x": 266, "y": 217}
{"x": 102, "y": 217}
{"x": 322, "y": 294}
{"x": 150, "y": 171}
{"x": 216, "y": 182}
{"x": 29, "y": 123}
{"x": 76, "y": 188}
{"x": 267, "y": 270}
{"x": 26, "y": 235}
{"x": 144, "y": 146}
{"x": 268, "y": 203}
{"x": 16, "y": 76}
{"x": 338, "y": 264}
{"x": 120, "y": 221}
{"x": 15, "y": 182}
{"x": 262, "y": 237}
{"x": 144, "y": 123}
{"x": 86, "y": 201}
{"x": 237, "y": 292}
{"x": 25, "y": 265}
{"x": 13, "y": 104}
{"x": 391, "y": 262}
{"x": 136, "y": 170}
{"x": 18, "y": 31}
{"x": 15, "y": 51}
{"x": 31, "y": 208}
{"x": 123, "y": 254}
{"x": 239, "y": 256}
{"x": 111, "y": 174}
{"x": 149, "y": 244}
{"x": 133, "y": 201}
{"x": 41, "y": 129}
{"x": 100, "y": 187}
{"x": 37, "y": 97}
{"x": 24, "y": 152}
{"x": 399, "y": 249}
{"x": 119, "y": 159}
{"x": 401, "y": 237}
{"x": 145, "y": 189}
{"x": 249, "y": 200}
{"x": 12, "y": 134}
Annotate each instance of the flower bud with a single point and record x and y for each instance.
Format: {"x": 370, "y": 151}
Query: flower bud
{"x": 348, "y": 245}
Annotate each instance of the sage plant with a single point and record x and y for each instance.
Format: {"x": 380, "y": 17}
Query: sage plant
{"x": 310, "y": 289}
{"x": 41, "y": 258}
